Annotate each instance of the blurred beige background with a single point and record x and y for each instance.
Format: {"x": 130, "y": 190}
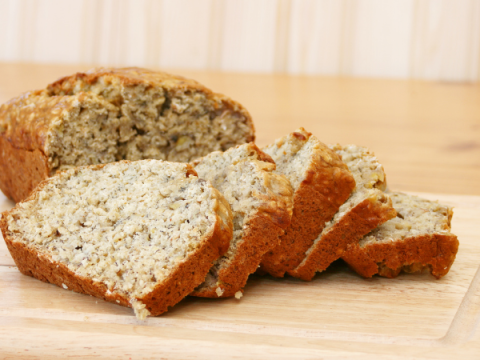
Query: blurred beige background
{"x": 423, "y": 39}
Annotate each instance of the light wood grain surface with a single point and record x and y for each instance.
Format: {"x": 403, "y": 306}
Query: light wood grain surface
{"x": 337, "y": 315}
{"x": 428, "y": 137}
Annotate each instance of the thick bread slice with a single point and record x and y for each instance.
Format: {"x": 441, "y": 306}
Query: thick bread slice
{"x": 367, "y": 207}
{"x": 419, "y": 237}
{"x": 142, "y": 234}
{"x": 321, "y": 181}
{"x": 107, "y": 115}
{"x": 261, "y": 203}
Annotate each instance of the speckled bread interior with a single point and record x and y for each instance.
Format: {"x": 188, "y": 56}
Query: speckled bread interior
{"x": 107, "y": 115}
{"x": 321, "y": 184}
{"x": 417, "y": 238}
{"x": 142, "y": 234}
{"x": 366, "y": 208}
{"x": 261, "y": 203}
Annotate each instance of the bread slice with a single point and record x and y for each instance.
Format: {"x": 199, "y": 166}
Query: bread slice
{"x": 321, "y": 181}
{"x": 141, "y": 234}
{"x": 418, "y": 238}
{"x": 365, "y": 209}
{"x": 107, "y": 115}
{"x": 261, "y": 203}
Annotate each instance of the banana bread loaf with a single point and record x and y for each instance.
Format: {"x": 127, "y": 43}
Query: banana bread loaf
{"x": 261, "y": 203}
{"x": 107, "y": 115}
{"x": 321, "y": 183}
{"x": 142, "y": 234}
{"x": 418, "y": 237}
{"x": 366, "y": 208}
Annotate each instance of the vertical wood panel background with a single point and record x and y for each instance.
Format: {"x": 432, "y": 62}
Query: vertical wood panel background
{"x": 427, "y": 39}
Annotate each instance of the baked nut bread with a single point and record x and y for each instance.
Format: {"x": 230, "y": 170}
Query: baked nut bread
{"x": 365, "y": 209}
{"x": 321, "y": 182}
{"x": 261, "y": 203}
{"x": 107, "y": 115}
{"x": 142, "y": 234}
{"x": 419, "y": 237}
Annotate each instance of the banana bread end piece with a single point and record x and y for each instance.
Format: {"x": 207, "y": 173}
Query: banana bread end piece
{"x": 418, "y": 238}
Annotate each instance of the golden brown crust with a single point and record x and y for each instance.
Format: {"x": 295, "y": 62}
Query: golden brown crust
{"x": 20, "y": 170}
{"x": 259, "y": 236}
{"x": 359, "y": 221}
{"x": 180, "y": 283}
{"x": 327, "y": 185}
{"x": 435, "y": 251}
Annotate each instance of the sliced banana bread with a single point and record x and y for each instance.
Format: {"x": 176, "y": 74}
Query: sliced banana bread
{"x": 107, "y": 115}
{"x": 365, "y": 209}
{"x": 321, "y": 182}
{"x": 261, "y": 203}
{"x": 142, "y": 234}
{"x": 418, "y": 238}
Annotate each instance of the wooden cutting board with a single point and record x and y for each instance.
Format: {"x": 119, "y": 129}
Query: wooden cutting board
{"x": 337, "y": 315}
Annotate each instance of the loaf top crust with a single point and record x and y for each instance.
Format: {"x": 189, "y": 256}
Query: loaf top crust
{"x": 89, "y": 81}
{"x": 127, "y": 225}
{"x": 415, "y": 217}
{"x": 124, "y": 103}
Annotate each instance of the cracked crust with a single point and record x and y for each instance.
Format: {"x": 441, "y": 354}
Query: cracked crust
{"x": 418, "y": 238}
{"x": 107, "y": 115}
{"x": 179, "y": 283}
{"x": 321, "y": 183}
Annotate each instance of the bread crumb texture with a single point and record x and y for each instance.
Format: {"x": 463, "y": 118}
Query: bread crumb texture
{"x": 415, "y": 216}
{"x": 128, "y": 225}
{"x": 245, "y": 176}
{"x": 219, "y": 291}
{"x": 107, "y": 115}
{"x": 293, "y": 155}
